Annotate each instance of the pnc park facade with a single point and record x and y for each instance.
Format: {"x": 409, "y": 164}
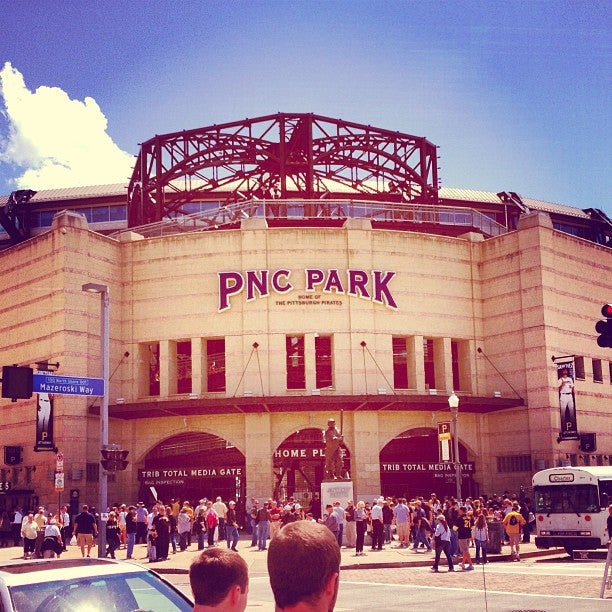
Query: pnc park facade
{"x": 266, "y": 275}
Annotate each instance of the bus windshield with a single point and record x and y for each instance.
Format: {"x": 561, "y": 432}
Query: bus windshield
{"x": 563, "y": 499}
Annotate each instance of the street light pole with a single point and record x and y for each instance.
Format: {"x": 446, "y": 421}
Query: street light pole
{"x": 453, "y": 402}
{"x": 104, "y": 356}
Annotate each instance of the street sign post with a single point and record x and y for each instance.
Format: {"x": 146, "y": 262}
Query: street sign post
{"x": 67, "y": 385}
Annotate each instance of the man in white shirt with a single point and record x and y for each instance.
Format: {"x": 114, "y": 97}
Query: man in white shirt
{"x": 377, "y": 524}
{"x": 221, "y": 510}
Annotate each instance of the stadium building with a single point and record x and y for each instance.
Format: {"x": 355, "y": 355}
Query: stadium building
{"x": 266, "y": 275}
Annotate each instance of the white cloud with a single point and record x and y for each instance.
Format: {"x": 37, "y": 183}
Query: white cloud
{"x": 55, "y": 141}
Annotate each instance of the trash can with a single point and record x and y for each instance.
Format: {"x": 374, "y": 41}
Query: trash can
{"x": 496, "y": 537}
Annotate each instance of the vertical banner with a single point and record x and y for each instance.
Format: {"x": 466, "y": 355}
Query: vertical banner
{"x": 445, "y": 448}
{"x": 567, "y": 399}
{"x": 44, "y": 423}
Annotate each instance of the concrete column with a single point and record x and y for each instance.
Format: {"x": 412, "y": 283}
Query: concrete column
{"x": 198, "y": 366}
{"x": 443, "y": 363}
{"x": 416, "y": 364}
{"x": 167, "y": 368}
{"x": 365, "y": 462}
{"x": 259, "y": 456}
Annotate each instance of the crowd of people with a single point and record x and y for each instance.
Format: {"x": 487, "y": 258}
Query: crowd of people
{"x": 432, "y": 524}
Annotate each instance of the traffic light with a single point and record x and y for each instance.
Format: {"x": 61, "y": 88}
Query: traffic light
{"x": 114, "y": 460}
{"x": 17, "y": 382}
{"x": 604, "y": 328}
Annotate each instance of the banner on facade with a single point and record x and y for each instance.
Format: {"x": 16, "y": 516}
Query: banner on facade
{"x": 567, "y": 399}
{"x": 157, "y": 477}
{"x": 44, "y": 423}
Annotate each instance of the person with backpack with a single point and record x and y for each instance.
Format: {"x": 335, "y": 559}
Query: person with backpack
{"x": 442, "y": 538}
{"x": 513, "y": 524}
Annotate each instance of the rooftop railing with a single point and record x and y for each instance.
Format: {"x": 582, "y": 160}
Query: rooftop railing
{"x": 219, "y": 215}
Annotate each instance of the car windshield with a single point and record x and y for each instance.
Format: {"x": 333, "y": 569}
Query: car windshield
{"x": 114, "y": 593}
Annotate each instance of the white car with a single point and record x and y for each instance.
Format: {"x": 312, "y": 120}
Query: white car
{"x": 92, "y": 585}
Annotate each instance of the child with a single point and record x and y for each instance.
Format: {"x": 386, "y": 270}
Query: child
{"x": 151, "y": 545}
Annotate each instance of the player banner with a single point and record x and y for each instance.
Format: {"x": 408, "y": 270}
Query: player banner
{"x": 567, "y": 399}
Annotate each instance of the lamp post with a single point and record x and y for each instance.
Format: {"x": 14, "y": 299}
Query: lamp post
{"x": 104, "y": 345}
{"x": 453, "y": 402}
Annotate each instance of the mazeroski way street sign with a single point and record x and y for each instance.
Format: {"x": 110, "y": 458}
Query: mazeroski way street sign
{"x": 67, "y": 385}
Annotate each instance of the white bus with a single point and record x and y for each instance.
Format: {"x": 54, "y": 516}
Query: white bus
{"x": 571, "y": 507}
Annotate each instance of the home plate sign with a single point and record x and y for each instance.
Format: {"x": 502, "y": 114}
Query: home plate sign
{"x": 67, "y": 385}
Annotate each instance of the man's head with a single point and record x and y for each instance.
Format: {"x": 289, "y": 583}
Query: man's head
{"x": 308, "y": 550}
{"x": 219, "y": 578}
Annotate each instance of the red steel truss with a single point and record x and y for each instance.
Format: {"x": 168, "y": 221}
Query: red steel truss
{"x": 279, "y": 157}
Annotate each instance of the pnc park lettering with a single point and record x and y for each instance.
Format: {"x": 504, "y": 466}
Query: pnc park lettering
{"x": 372, "y": 285}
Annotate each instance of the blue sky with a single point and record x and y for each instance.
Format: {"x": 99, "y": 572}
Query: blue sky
{"x": 516, "y": 94}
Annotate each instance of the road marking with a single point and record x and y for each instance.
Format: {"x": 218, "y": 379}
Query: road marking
{"x": 464, "y": 589}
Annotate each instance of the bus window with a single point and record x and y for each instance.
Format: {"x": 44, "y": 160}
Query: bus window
{"x": 573, "y": 499}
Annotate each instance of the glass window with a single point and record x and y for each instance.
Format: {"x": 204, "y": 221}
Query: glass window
{"x": 579, "y": 366}
{"x": 296, "y": 372}
{"x": 92, "y": 472}
{"x": 118, "y": 213}
{"x": 400, "y": 363}
{"x": 183, "y": 367}
{"x": 323, "y": 361}
{"x": 215, "y": 365}
{"x": 428, "y": 358}
{"x": 99, "y": 214}
{"x": 455, "y": 365}
{"x": 514, "y": 463}
{"x": 154, "y": 369}
{"x": 597, "y": 371}
{"x": 566, "y": 499}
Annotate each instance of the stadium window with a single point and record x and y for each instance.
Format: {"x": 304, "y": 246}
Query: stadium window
{"x": 117, "y": 213}
{"x": 579, "y": 367}
{"x": 513, "y": 463}
{"x": 323, "y": 362}
{"x": 183, "y": 366}
{"x": 429, "y": 363}
{"x": 92, "y": 472}
{"x": 597, "y": 371}
{"x": 610, "y": 371}
{"x": 455, "y": 364}
{"x": 215, "y": 365}
{"x": 294, "y": 359}
{"x": 400, "y": 362}
{"x": 154, "y": 388}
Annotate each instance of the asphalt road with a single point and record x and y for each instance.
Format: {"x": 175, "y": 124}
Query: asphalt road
{"x": 534, "y": 586}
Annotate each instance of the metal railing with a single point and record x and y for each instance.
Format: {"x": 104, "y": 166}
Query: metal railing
{"x": 303, "y": 210}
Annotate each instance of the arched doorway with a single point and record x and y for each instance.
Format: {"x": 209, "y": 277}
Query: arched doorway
{"x": 410, "y": 466}
{"x": 299, "y": 465}
{"x": 191, "y": 466}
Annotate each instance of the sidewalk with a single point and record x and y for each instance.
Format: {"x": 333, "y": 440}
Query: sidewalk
{"x": 390, "y": 557}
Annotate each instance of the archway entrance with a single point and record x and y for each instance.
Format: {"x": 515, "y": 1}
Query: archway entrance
{"x": 410, "y": 466}
{"x": 191, "y": 466}
{"x": 299, "y": 465}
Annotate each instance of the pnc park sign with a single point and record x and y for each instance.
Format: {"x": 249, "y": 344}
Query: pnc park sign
{"x": 373, "y": 285}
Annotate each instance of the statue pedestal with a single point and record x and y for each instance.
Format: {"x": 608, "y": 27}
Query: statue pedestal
{"x": 335, "y": 490}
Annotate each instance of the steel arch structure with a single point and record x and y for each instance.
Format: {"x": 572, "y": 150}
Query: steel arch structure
{"x": 279, "y": 156}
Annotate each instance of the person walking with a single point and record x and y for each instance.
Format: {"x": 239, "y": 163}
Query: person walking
{"x": 513, "y": 523}
{"x": 231, "y": 526}
{"x": 481, "y": 538}
{"x": 361, "y": 526}
{"x": 442, "y": 540}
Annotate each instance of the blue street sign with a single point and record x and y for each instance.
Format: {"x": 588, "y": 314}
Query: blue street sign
{"x": 67, "y": 385}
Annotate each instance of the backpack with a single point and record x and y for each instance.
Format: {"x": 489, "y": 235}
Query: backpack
{"x": 211, "y": 520}
{"x": 513, "y": 520}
